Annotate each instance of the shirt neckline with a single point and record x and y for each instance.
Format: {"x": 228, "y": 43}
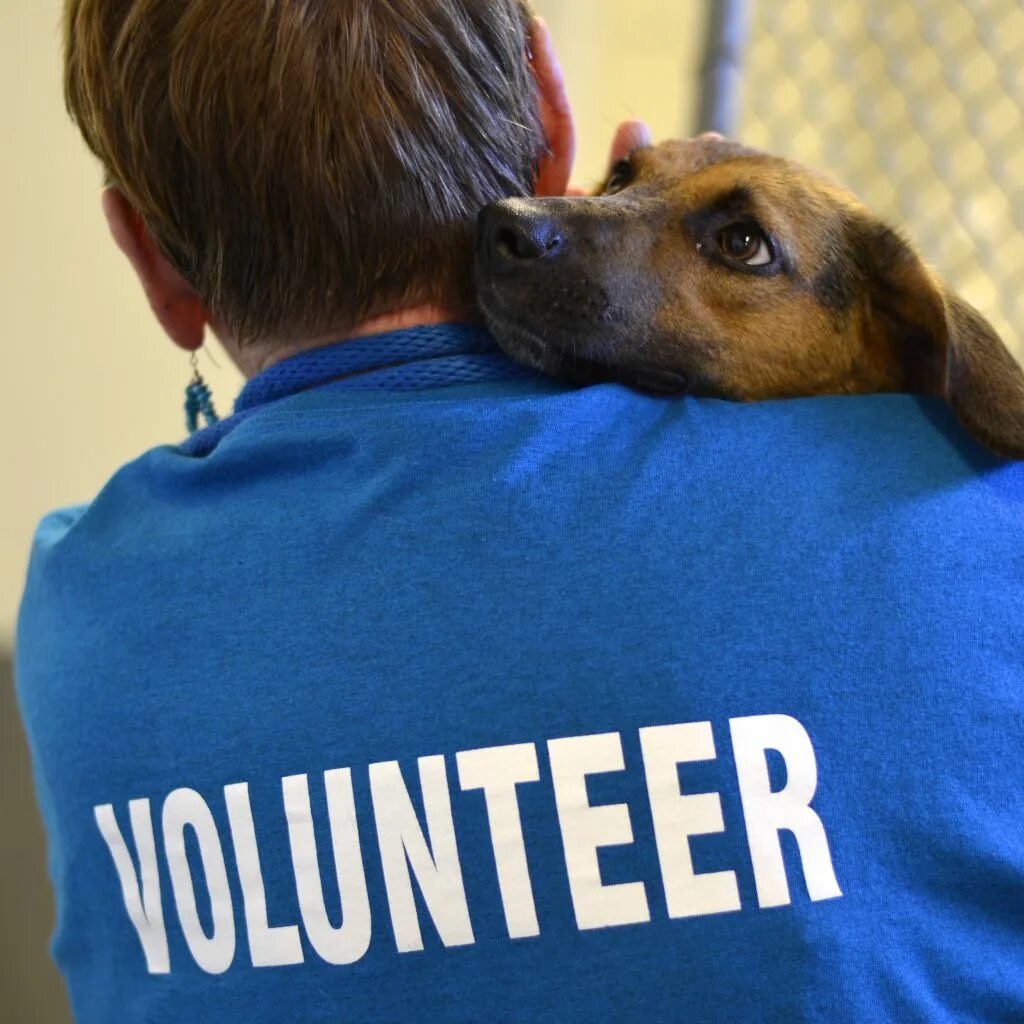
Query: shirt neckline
{"x": 412, "y": 359}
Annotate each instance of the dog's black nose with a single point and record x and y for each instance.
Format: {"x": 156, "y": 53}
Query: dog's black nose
{"x": 514, "y": 233}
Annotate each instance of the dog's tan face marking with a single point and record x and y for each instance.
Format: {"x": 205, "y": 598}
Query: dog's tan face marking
{"x": 778, "y": 323}
{"x": 708, "y": 267}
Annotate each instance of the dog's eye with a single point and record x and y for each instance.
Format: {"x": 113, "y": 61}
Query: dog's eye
{"x": 745, "y": 243}
{"x": 621, "y": 175}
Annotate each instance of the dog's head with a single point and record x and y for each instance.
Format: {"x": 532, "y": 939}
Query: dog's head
{"x": 706, "y": 267}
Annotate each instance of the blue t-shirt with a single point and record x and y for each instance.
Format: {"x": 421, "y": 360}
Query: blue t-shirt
{"x": 435, "y": 691}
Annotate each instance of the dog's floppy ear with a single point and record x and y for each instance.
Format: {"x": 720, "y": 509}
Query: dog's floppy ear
{"x": 944, "y": 344}
{"x": 984, "y": 383}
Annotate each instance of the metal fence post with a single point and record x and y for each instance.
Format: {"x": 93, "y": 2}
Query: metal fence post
{"x": 728, "y": 23}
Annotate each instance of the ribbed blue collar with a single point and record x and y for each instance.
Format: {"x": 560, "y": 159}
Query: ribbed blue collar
{"x": 407, "y": 360}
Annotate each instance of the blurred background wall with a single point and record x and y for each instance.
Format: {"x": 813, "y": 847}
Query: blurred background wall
{"x": 915, "y": 103}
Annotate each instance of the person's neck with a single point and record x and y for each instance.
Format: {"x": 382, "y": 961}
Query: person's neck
{"x": 256, "y": 359}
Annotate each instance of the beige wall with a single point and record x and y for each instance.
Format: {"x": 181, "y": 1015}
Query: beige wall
{"x": 88, "y": 382}
{"x": 627, "y": 59}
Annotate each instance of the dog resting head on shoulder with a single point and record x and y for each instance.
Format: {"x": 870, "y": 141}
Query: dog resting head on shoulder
{"x": 706, "y": 267}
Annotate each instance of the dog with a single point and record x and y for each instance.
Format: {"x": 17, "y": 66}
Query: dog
{"x": 706, "y": 267}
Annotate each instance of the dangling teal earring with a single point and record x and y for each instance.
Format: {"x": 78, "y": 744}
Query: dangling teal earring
{"x": 198, "y": 400}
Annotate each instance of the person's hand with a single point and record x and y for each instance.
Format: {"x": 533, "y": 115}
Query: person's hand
{"x": 629, "y": 135}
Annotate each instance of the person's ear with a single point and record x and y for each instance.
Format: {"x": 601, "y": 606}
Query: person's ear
{"x": 555, "y": 167}
{"x": 173, "y": 301}
{"x": 946, "y": 345}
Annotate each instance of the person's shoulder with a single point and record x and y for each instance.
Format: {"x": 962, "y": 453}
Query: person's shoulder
{"x": 883, "y": 428}
{"x": 885, "y": 435}
{"x": 36, "y": 612}
{"x": 882, "y": 451}
{"x": 55, "y": 526}
{"x": 49, "y": 541}
{"x": 63, "y": 533}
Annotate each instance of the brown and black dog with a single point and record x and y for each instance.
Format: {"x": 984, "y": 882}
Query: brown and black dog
{"x": 706, "y": 267}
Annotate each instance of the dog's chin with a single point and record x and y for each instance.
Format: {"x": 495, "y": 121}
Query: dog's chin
{"x": 567, "y": 356}
{"x": 525, "y": 345}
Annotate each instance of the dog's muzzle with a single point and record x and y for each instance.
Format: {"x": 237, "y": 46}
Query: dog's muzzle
{"x": 513, "y": 236}
{"x": 546, "y": 270}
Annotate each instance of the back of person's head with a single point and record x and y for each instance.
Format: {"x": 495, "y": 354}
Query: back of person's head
{"x": 306, "y": 164}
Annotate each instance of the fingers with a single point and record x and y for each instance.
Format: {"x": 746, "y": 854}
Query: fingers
{"x": 629, "y": 135}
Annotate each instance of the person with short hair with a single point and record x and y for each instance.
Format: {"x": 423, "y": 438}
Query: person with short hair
{"x": 423, "y": 688}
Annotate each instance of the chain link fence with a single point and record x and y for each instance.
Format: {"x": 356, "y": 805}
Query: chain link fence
{"x": 916, "y": 105}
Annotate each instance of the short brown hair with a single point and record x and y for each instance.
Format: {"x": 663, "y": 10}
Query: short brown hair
{"x": 305, "y": 164}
